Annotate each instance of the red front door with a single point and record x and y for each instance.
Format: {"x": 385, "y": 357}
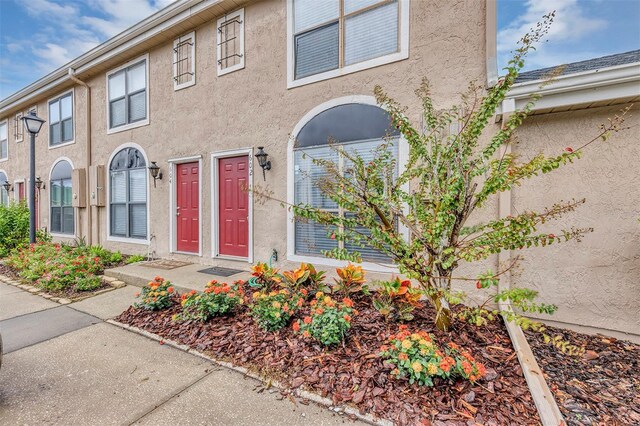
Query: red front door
{"x": 20, "y": 191}
{"x": 233, "y": 209}
{"x": 188, "y": 207}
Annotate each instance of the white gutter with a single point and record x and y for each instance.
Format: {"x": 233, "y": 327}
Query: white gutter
{"x": 145, "y": 29}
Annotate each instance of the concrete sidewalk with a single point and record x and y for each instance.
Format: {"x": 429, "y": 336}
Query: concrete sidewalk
{"x": 75, "y": 369}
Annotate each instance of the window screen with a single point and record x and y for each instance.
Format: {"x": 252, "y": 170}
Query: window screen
{"x": 128, "y": 95}
{"x": 128, "y": 194}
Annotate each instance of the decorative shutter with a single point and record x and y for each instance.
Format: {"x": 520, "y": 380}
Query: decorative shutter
{"x": 317, "y": 51}
{"x": 371, "y": 34}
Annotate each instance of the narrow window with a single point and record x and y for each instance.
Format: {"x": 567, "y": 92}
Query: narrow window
{"x": 230, "y": 40}
{"x": 4, "y": 194}
{"x": 128, "y": 197}
{"x": 128, "y": 95}
{"x": 62, "y": 215}
{"x": 61, "y": 120}
{"x": 184, "y": 61}
{"x": 18, "y": 129}
{"x": 335, "y": 34}
{"x": 4, "y": 142}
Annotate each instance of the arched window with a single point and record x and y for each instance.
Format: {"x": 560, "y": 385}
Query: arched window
{"x": 358, "y": 128}
{"x": 60, "y": 199}
{"x": 128, "y": 194}
{"x": 4, "y": 195}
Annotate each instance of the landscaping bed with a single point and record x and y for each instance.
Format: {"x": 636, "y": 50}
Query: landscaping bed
{"x": 353, "y": 373}
{"x": 602, "y": 387}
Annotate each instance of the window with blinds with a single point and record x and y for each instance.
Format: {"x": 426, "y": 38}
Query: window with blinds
{"x": 184, "y": 61}
{"x": 334, "y": 34}
{"x": 61, "y": 119}
{"x": 60, "y": 198}
{"x": 4, "y": 142}
{"x": 18, "y": 129}
{"x": 128, "y": 194}
{"x": 230, "y": 42}
{"x": 127, "y": 91}
{"x": 4, "y": 194}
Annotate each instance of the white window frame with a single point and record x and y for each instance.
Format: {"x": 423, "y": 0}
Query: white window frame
{"x": 215, "y": 233}
{"x": 73, "y": 118}
{"x": 138, "y": 241}
{"x": 19, "y": 125}
{"x": 192, "y": 36}
{"x": 140, "y": 123}
{"x": 16, "y": 193}
{"x": 60, "y": 234}
{"x": 403, "y": 53}
{"x": 5, "y": 122}
{"x": 173, "y": 194}
{"x": 238, "y": 14}
{"x": 403, "y": 155}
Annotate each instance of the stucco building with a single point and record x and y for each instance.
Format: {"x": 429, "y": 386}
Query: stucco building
{"x": 198, "y": 87}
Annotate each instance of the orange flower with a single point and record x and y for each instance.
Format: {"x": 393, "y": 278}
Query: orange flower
{"x": 306, "y": 333}
{"x": 454, "y": 346}
{"x": 304, "y": 292}
{"x": 307, "y": 320}
{"x": 319, "y": 311}
{"x": 468, "y": 369}
{"x": 170, "y": 289}
{"x": 347, "y": 317}
{"x": 347, "y": 302}
{"x": 296, "y": 326}
{"x": 299, "y": 302}
{"x": 402, "y": 356}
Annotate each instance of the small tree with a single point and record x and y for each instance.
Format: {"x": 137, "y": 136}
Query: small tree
{"x": 452, "y": 171}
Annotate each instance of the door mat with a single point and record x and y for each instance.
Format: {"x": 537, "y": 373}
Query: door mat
{"x": 165, "y": 264}
{"x": 222, "y": 272}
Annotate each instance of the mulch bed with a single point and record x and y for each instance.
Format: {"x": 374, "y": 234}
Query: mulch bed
{"x": 602, "y": 387}
{"x": 353, "y": 374}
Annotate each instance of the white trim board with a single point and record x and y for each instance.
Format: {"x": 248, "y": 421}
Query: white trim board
{"x": 173, "y": 228}
{"x": 215, "y": 156}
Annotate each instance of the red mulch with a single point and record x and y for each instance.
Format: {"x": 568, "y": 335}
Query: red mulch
{"x": 602, "y": 387}
{"x": 353, "y": 374}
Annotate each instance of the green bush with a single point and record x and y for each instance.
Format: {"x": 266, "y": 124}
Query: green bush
{"x": 14, "y": 227}
{"x": 134, "y": 259}
{"x": 88, "y": 283}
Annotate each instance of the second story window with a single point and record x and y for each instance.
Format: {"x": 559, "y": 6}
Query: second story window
{"x": 4, "y": 142}
{"x": 127, "y": 96}
{"x": 230, "y": 41}
{"x": 61, "y": 119}
{"x": 18, "y": 128}
{"x": 336, "y": 37}
{"x": 184, "y": 61}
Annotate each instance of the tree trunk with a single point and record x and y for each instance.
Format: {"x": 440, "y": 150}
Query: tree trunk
{"x": 443, "y": 312}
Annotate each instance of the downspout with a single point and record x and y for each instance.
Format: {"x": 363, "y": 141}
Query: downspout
{"x": 72, "y": 76}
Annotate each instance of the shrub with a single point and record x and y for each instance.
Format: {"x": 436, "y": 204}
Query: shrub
{"x": 217, "y": 299}
{"x": 156, "y": 295}
{"x": 305, "y": 280}
{"x": 351, "y": 279}
{"x": 14, "y": 227}
{"x": 417, "y": 358}
{"x": 134, "y": 259}
{"x": 329, "y": 320}
{"x": 395, "y": 300}
{"x": 88, "y": 283}
{"x": 274, "y": 309}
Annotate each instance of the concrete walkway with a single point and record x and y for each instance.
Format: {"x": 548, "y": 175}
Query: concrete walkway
{"x": 64, "y": 365}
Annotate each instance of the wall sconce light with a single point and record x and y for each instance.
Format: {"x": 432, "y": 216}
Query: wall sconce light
{"x": 40, "y": 184}
{"x": 155, "y": 172}
{"x": 263, "y": 162}
{"x": 7, "y": 186}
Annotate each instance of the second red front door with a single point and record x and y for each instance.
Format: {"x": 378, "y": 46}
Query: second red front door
{"x": 233, "y": 206}
{"x": 188, "y": 207}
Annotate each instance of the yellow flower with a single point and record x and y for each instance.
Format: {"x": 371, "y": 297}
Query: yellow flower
{"x": 432, "y": 369}
{"x": 256, "y": 294}
{"x": 319, "y": 295}
{"x": 277, "y": 315}
{"x": 163, "y": 293}
{"x": 406, "y": 344}
{"x": 415, "y": 336}
{"x": 273, "y": 293}
{"x": 425, "y": 343}
{"x": 417, "y": 367}
{"x": 276, "y": 304}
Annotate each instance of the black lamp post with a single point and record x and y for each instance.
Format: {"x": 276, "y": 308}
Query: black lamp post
{"x": 155, "y": 172}
{"x": 39, "y": 183}
{"x": 33, "y": 123}
{"x": 262, "y": 161}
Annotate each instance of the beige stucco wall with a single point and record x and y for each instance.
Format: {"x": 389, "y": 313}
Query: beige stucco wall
{"x": 595, "y": 282}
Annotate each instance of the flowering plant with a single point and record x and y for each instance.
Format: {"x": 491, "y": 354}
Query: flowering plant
{"x": 417, "y": 358}
{"x": 273, "y": 310}
{"x": 217, "y": 299}
{"x": 329, "y": 320}
{"x": 265, "y": 277}
{"x": 156, "y": 295}
{"x": 350, "y": 280}
{"x": 306, "y": 279}
{"x": 395, "y": 300}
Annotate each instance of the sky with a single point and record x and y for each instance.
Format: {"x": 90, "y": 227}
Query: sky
{"x": 38, "y": 36}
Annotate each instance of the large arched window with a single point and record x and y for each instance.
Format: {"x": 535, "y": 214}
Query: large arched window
{"x": 128, "y": 194}
{"x": 4, "y": 195}
{"x": 358, "y": 128}
{"x": 60, "y": 199}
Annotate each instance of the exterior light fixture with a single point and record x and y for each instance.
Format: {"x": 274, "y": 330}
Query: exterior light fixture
{"x": 263, "y": 162}
{"x": 39, "y": 183}
{"x": 155, "y": 172}
{"x": 6, "y": 185}
{"x": 33, "y": 123}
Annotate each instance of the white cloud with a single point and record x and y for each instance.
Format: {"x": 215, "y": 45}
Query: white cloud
{"x": 571, "y": 24}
